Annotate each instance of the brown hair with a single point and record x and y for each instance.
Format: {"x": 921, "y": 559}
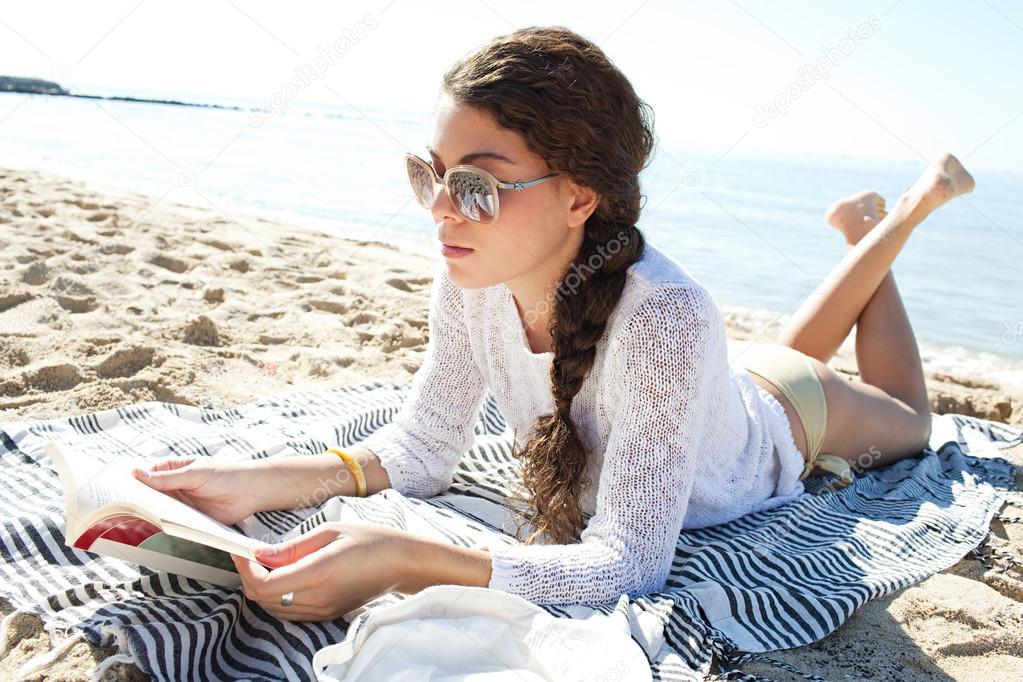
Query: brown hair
{"x": 579, "y": 113}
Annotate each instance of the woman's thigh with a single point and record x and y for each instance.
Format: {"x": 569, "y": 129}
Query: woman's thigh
{"x": 865, "y": 425}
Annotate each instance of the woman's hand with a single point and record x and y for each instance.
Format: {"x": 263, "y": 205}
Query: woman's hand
{"x": 331, "y": 570}
{"x": 222, "y": 490}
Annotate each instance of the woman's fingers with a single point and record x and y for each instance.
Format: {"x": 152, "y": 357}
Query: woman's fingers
{"x": 172, "y": 463}
{"x": 263, "y": 585}
{"x": 289, "y": 552}
{"x": 172, "y": 476}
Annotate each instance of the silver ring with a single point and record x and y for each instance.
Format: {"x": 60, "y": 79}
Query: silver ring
{"x": 286, "y": 599}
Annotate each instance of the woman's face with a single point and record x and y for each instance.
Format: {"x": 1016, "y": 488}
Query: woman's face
{"x": 538, "y": 230}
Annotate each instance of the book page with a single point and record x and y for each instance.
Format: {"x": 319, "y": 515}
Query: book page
{"x": 97, "y": 484}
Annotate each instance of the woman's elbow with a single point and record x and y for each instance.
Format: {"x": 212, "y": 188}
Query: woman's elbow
{"x": 645, "y": 579}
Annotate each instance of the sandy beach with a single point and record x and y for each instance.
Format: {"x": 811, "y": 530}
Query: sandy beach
{"x": 111, "y": 298}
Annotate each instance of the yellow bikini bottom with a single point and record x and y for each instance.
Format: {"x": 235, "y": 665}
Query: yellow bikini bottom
{"x": 791, "y": 372}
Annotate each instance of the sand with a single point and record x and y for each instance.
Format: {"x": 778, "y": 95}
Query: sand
{"x": 109, "y": 298}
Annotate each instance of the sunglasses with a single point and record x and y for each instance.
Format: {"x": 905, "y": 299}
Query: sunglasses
{"x": 473, "y": 191}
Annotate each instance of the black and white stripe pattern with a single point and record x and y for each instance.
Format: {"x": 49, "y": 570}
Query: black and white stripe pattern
{"x": 771, "y": 580}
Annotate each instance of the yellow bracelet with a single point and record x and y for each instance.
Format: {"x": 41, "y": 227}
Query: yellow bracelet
{"x": 360, "y": 478}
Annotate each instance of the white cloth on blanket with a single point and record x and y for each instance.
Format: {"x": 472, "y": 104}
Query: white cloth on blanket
{"x": 677, "y": 437}
{"x": 487, "y": 635}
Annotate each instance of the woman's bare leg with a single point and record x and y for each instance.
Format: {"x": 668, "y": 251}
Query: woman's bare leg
{"x": 828, "y": 314}
{"x": 886, "y": 416}
{"x": 887, "y": 355}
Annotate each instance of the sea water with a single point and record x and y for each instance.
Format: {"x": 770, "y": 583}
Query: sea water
{"x": 750, "y": 227}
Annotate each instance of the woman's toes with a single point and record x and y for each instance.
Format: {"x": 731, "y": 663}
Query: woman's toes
{"x": 856, "y": 214}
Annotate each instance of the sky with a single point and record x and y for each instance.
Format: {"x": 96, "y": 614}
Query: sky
{"x": 895, "y": 79}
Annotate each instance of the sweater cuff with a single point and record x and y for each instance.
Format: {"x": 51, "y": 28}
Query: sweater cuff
{"x": 506, "y": 572}
{"x": 403, "y": 474}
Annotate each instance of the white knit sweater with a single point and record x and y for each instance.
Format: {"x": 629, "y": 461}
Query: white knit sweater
{"x": 678, "y": 438}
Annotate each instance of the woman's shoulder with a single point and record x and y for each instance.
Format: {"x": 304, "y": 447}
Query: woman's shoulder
{"x": 658, "y": 283}
{"x": 665, "y": 319}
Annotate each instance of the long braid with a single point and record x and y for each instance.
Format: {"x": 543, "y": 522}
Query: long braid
{"x": 555, "y": 461}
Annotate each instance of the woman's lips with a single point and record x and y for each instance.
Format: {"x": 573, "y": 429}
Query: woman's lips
{"x": 449, "y": 251}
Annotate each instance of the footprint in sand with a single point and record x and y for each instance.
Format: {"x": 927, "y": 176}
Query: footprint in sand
{"x": 361, "y": 318}
{"x": 143, "y": 390}
{"x": 399, "y": 339}
{"x": 115, "y": 248}
{"x": 335, "y": 307}
{"x": 77, "y": 305}
{"x": 400, "y": 284}
{"x": 8, "y": 301}
{"x": 73, "y": 236}
{"x": 53, "y": 378}
{"x": 73, "y": 286}
{"x": 11, "y": 356}
{"x": 201, "y": 331}
{"x": 125, "y": 362}
{"x": 82, "y": 203}
{"x": 36, "y": 274}
{"x": 239, "y": 264}
{"x": 417, "y": 322}
{"x": 217, "y": 244}
{"x": 272, "y": 340}
{"x": 409, "y": 284}
{"x": 175, "y": 265}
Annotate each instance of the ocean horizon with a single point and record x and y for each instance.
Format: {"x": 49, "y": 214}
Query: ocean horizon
{"x": 749, "y": 226}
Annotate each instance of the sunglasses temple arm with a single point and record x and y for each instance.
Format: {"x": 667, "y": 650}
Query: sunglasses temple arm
{"x": 520, "y": 185}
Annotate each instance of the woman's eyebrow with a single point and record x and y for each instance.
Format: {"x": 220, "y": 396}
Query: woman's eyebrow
{"x": 469, "y": 158}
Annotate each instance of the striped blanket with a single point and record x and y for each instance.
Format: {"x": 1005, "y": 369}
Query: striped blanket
{"x": 772, "y": 580}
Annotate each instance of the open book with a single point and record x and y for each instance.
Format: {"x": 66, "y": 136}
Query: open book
{"x": 110, "y": 512}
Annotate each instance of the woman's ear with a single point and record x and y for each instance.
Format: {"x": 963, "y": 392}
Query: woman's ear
{"x": 584, "y": 202}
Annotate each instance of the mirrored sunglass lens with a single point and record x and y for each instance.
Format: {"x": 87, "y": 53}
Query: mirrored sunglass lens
{"x": 473, "y": 196}
{"x": 421, "y": 181}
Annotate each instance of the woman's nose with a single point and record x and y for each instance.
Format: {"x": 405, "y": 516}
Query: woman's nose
{"x": 442, "y": 208}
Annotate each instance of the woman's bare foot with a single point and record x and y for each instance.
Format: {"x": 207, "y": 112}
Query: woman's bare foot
{"x": 939, "y": 184}
{"x": 855, "y": 215}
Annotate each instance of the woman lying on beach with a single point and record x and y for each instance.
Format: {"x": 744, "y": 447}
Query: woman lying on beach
{"x": 605, "y": 356}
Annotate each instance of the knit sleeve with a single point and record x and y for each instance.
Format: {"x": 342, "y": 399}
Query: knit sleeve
{"x": 656, "y": 375}
{"x": 420, "y": 447}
